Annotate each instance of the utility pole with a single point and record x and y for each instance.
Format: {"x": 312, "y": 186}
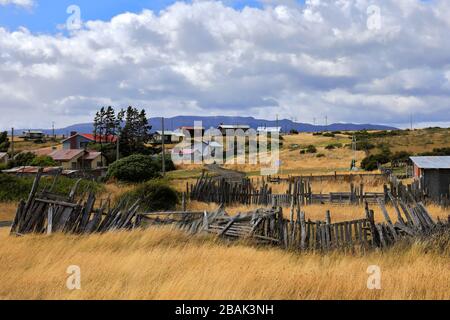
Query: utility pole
{"x": 12, "y": 143}
{"x": 411, "y": 120}
{"x": 326, "y": 122}
{"x": 53, "y": 130}
{"x": 118, "y": 148}
{"x": 163, "y": 149}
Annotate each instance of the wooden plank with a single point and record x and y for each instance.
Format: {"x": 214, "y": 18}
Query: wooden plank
{"x": 303, "y": 232}
{"x": 50, "y": 220}
{"x": 387, "y": 218}
{"x": 397, "y": 210}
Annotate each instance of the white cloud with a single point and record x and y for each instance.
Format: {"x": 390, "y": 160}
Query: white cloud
{"x": 207, "y": 58}
{"x": 20, "y": 3}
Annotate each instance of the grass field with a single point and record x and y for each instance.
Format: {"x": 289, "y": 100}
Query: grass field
{"x": 167, "y": 264}
{"x": 163, "y": 263}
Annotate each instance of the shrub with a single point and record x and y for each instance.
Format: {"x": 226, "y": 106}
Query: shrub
{"x": 371, "y": 162}
{"x": 170, "y": 166}
{"x": 364, "y": 145}
{"x": 293, "y": 131}
{"x": 135, "y": 168}
{"x": 329, "y": 135}
{"x": 24, "y": 159}
{"x": 311, "y": 149}
{"x": 13, "y": 188}
{"x": 155, "y": 195}
{"x": 43, "y": 161}
{"x": 320, "y": 155}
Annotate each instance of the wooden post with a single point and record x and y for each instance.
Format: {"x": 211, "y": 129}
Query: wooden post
{"x": 50, "y": 220}
{"x": 12, "y": 143}
{"x": 183, "y": 201}
{"x": 163, "y": 149}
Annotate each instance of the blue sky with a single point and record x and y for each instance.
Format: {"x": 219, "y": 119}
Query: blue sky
{"x": 46, "y": 15}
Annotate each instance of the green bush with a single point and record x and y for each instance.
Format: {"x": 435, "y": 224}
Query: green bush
{"x": 135, "y": 168}
{"x": 13, "y": 188}
{"x": 170, "y": 166}
{"x": 155, "y": 195}
{"x": 320, "y": 155}
{"x": 24, "y": 159}
{"x": 311, "y": 149}
{"x": 364, "y": 145}
{"x": 333, "y": 146}
{"x": 371, "y": 162}
{"x": 43, "y": 161}
{"x": 329, "y": 135}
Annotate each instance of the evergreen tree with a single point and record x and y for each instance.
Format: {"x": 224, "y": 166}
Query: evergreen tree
{"x": 4, "y": 141}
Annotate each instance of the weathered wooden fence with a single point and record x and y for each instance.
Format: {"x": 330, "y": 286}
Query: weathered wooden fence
{"x": 210, "y": 189}
{"x": 46, "y": 212}
{"x": 269, "y": 226}
{"x": 414, "y": 191}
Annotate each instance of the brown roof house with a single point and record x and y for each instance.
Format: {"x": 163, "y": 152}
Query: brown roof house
{"x": 78, "y": 159}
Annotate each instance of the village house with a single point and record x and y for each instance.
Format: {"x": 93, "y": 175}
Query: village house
{"x": 192, "y": 131}
{"x": 268, "y": 130}
{"x": 82, "y": 140}
{"x": 433, "y": 174}
{"x": 230, "y": 127}
{"x": 4, "y": 158}
{"x": 170, "y": 137}
{"x": 33, "y": 135}
{"x": 78, "y": 159}
{"x": 190, "y": 151}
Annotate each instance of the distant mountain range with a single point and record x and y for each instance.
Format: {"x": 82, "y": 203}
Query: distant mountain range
{"x": 179, "y": 121}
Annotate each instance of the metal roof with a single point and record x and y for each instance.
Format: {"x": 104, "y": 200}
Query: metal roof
{"x": 434, "y": 162}
{"x": 269, "y": 129}
{"x": 234, "y": 126}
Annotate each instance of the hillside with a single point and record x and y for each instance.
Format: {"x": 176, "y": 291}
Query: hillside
{"x": 179, "y": 121}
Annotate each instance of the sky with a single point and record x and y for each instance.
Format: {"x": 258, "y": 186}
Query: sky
{"x": 360, "y": 61}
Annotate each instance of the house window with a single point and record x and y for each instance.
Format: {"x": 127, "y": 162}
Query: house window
{"x": 83, "y": 145}
{"x": 99, "y": 164}
{"x": 74, "y": 166}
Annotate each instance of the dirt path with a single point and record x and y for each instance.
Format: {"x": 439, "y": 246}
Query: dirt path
{"x": 230, "y": 175}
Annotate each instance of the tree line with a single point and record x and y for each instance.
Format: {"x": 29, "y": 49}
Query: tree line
{"x": 130, "y": 126}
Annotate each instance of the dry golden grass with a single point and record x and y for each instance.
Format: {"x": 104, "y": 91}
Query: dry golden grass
{"x": 7, "y": 211}
{"x": 295, "y": 163}
{"x": 166, "y": 264}
{"x": 22, "y": 145}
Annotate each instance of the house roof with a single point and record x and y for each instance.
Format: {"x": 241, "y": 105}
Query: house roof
{"x": 432, "y": 162}
{"x": 3, "y": 154}
{"x": 192, "y": 128}
{"x": 92, "y": 138}
{"x": 269, "y": 129}
{"x": 66, "y": 154}
{"x": 233, "y": 126}
{"x": 170, "y": 133}
{"x": 91, "y": 155}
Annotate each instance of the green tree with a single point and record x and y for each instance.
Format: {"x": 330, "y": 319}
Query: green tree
{"x": 4, "y": 141}
{"x": 43, "y": 161}
{"x": 24, "y": 159}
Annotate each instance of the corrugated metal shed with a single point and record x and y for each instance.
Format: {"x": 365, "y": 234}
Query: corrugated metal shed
{"x": 434, "y": 162}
